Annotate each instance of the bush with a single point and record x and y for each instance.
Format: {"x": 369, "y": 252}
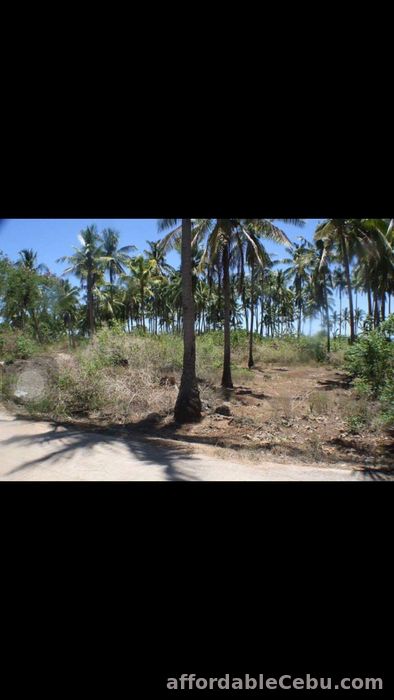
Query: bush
{"x": 371, "y": 358}
{"x": 387, "y": 399}
{"x": 15, "y": 345}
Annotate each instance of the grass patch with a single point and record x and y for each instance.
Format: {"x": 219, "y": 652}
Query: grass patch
{"x": 116, "y": 376}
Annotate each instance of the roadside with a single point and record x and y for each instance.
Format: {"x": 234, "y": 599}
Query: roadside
{"x": 44, "y": 451}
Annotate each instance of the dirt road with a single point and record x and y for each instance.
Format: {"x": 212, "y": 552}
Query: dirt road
{"x": 43, "y": 451}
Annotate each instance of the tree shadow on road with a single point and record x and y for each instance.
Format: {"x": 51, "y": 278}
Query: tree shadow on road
{"x": 378, "y": 473}
{"x": 64, "y": 440}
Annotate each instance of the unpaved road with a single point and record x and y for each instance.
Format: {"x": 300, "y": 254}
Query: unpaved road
{"x": 43, "y": 451}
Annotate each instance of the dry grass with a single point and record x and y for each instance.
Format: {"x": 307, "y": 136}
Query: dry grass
{"x": 292, "y": 407}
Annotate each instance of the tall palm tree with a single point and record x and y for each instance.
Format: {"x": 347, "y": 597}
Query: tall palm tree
{"x": 300, "y": 261}
{"x": 88, "y": 263}
{"x": 339, "y": 283}
{"x": 28, "y": 260}
{"x": 255, "y": 255}
{"x": 376, "y": 263}
{"x": 340, "y": 235}
{"x": 188, "y": 404}
{"x": 67, "y": 307}
{"x": 223, "y": 238}
{"x": 159, "y": 271}
{"x": 322, "y": 286}
{"x": 117, "y": 257}
{"x": 28, "y": 263}
{"x": 142, "y": 269}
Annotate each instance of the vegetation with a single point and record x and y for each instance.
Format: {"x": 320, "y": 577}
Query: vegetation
{"x": 228, "y": 298}
{"x": 371, "y": 360}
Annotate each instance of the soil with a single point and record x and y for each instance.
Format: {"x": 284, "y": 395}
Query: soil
{"x": 299, "y": 412}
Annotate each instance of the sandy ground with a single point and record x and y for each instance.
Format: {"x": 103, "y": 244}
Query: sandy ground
{"x": 43, "y": 451}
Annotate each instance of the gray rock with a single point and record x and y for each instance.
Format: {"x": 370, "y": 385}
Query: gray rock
{"x": 30, "y": 380}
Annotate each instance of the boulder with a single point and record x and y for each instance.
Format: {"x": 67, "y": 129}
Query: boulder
{"x": 30, "y": 380}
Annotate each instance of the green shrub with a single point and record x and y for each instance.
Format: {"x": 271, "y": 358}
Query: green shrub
{"x": 371, "y": 358}
{"x": 25, "y": 347}
{"x": 16, "y": 345}
{"x": 387, "y": 399}
{"x": 355, "y": 424}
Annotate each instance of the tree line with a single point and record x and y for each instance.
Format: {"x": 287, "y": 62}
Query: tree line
{"x": 227, "y": 280}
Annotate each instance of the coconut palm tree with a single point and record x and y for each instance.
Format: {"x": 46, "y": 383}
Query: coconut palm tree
{"x": 224, "y": 239}
{"x": 188, "y": 404}
{"x": 339, "y": 284}
{"x": 143, "y": 270}
{"x": 117, "y": 258}
{"x": 28, "y": 260}
{"x": 300, "y": 261}
{"x": 67, "y": 307}
{"x": 375, "y": 269}
{"x": 88, "y": 264}
{"x": 322, "y": 286}
{"x": 340, "y": 236}
{"x": 345, "y": 318}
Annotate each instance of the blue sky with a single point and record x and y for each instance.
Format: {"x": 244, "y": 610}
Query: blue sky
{"x": 53, "y": 238}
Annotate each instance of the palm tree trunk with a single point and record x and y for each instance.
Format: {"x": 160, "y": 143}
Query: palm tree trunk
{"x": 251, "y": 361}
{"x": 327, "y": 315}
{"x": 376, "y": 316}
{"x": 245, "y": 309}
{"x": 36, "y": 325}
{"x": 71, "y": 332}
{"x": 90, "y": 304}
{"x": 142, "y": 288}
{"x": 369, "y": 297}
{"x": 299, "y": 319}
{"x": 188, "y": 405}
{"x": 262, "y": 317}
{"x": 226, "y": 378}
{"x": 340, "y": 311}
{"x": 111, "y": 283}
{"x": 348, "y": 284}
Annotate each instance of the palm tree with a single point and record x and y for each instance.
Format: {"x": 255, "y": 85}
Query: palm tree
{"x": 28, "y": 264}
{"x": 225, "y": 237}
{"x": 335, "y": 322}
{"x": 117, "y": 257}
{"x": 88, "y": 263}
{"x": 321, "y": 278}
{"x": 359, "y": 316}
{"x": 345, "y": 319}
{"x": 375, "y": 270}
{"x": 251, "y": 251}
{"x": 300, "y": 262}
{"x": 339, "y": 284}
{"x": 67, "y": 307}
{"x": 350, "y": 237}
{"x": 142, "y": 269}
{"x": 28, "y": 260}
{"x": 188, "y": 405}
{"x": 340, "y": 234}
{"x": 159, "y": 271}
